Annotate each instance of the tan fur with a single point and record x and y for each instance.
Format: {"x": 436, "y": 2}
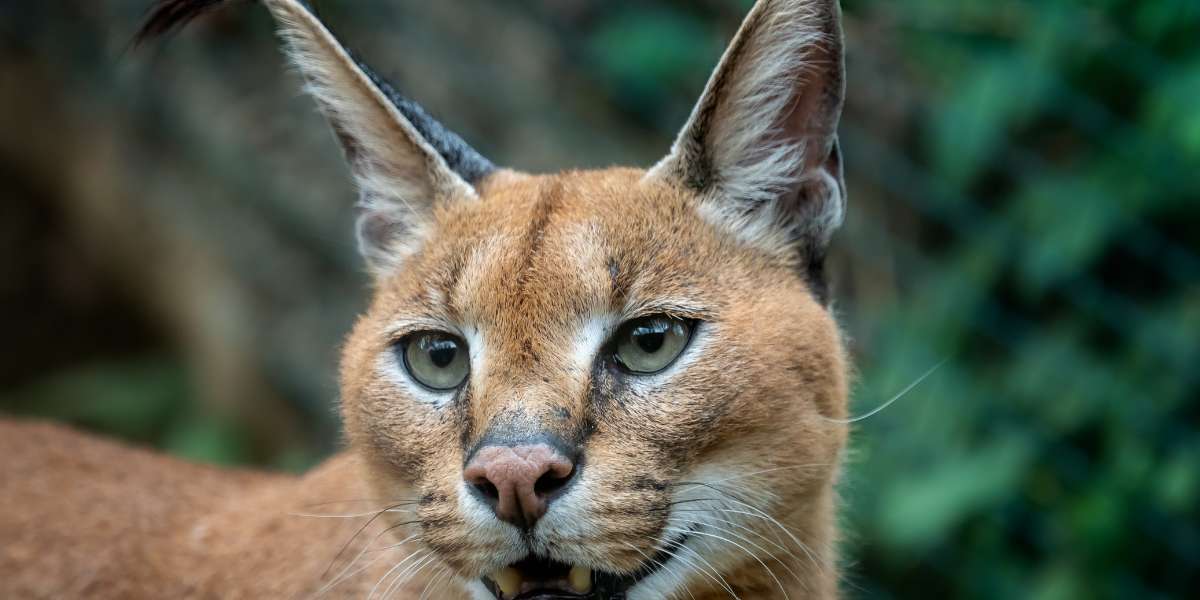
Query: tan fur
{"x": 86, "y": 518}
{"x": 89, "y": 518}
{"x": 743, "y": 434}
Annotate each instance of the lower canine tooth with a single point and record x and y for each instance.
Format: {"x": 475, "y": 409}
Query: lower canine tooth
{"x": 509, "y": 580}
{"x": 581, "y": 579}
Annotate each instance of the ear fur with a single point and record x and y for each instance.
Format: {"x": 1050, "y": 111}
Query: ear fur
{"x": 760, "y": 147}
{"x": 403, "y": 161}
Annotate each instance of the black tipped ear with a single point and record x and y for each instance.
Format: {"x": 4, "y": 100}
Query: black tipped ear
{"x": 403, "y": 160}
{"x": 166, "y": 16}
{"x": 761, "y": 145}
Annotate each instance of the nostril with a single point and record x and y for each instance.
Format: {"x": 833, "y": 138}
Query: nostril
{"x": 488, "y": 490}
{"x": 551, "y": 481}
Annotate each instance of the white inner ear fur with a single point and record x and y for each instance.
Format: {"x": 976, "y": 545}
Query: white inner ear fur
{"x": 399, "y": 175}
{"x": 754, "y": 162}
{"x": 771, "y": 226}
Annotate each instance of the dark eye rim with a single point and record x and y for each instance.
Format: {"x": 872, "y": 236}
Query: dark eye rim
{"x": 401, "y": 347}
{"x": 691, "y": 324}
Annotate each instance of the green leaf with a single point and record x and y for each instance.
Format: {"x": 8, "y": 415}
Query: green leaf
{"x": 920, "y": 509}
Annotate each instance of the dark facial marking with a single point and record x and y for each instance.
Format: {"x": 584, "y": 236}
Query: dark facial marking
{"x": 549, "y": 201}
{"x": 432, "y": 498}
{"x": 520, "y": 434}
{"x": 462, "y": 413}
{"x": 646, "y": 482}
{"x": 619, "y": 281}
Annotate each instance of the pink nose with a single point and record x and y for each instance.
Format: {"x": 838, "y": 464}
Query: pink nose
{"x": 517, "y": 481}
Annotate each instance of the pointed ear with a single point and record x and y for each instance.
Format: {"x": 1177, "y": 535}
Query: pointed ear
{"x": 760, "y": 148}
{"x": 403, "y": 161}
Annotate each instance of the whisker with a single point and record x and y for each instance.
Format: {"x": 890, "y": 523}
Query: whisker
{"x": 757, "y": 533}
{"x": 344, "y": 575}
{"x": 389, "y": 572}
{"x": 353, "y": 537}
{"x": 719, "y": 578}
{"x": 743, "y": 549}
{"x": 679, "y": 580}
{"x": 441, "y": 572}
{"x": 678, "y": 502}
{"x": 391, "y": 501}
{"x": 741, "y": 494}
{"x": 445, "y": 582}
{"x": 764, "y": 471}
{"x": 409, "y": 574}
{"x": 349, "y": 516}
{"x": 771, "y": 520}
{"x": 689, "y": 563}
{"x": 730, "y": 497}
{"x": 391, "y": 528}
{"x": 898, "y": 396}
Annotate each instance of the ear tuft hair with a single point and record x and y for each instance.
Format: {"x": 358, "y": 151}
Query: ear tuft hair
{"x": 403, "y": 160}
{"x": 165, "y": 17}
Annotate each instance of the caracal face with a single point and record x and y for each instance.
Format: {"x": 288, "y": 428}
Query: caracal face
{"x": 537, "y": 276}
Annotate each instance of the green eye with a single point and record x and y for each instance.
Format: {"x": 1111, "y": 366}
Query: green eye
{"x": 651, "y": 344}
{"x": 436, "y": 360}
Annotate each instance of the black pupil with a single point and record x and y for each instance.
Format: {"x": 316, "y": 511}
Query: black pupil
{"x": 441, "y": 352}
{"x": 650, "y": 337}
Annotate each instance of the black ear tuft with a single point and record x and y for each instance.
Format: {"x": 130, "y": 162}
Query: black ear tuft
{"x": 167, "y": 16}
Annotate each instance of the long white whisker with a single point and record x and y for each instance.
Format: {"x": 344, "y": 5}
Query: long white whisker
{"x": 734, "y": 511}
{"x": 409, "y": 574}
{"x": 753, "y": 543}
{"x": 387, "y": 501}
{"x": 349, "y": 516}
{"x": 898, "y": 396}
{"x": 754, "y": 473}
{"x": 389, "y": 572}
{"x": 359, "y": 532}
{"x": 713, "y": 575}
{"x": 444, "y": 583}
{"x": 755, "y": 532}
{"x": 344, "y": 574}
{"x": 721, "y": 578}
{"x": 769, "y": 519}
{"x": 437, "y": 577}
{"x": 743, "y": 549}
{"x": 759, "y": 512}
{"x": 678, "y": 577}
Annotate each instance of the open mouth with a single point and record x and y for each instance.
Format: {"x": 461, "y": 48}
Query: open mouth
{"x": 540, "y": 578}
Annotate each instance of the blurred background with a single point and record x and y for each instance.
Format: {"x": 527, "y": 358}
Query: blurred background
{"x": 177, "y": 265}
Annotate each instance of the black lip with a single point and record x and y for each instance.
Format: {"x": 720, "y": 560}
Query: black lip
{"x": 540, "y": 595}
{"x": 544, "y": 595}
{"x": 605, "y": 586}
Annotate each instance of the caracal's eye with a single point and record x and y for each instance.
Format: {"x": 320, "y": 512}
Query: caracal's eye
{"x": 436, "y": 360}
{"x": 651, "y": 344}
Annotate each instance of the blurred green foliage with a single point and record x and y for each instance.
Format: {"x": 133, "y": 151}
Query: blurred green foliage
{"x": 142, "y": 400}
{"x": 1053, "y": 167}
{"x": 1024, "y": 206}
